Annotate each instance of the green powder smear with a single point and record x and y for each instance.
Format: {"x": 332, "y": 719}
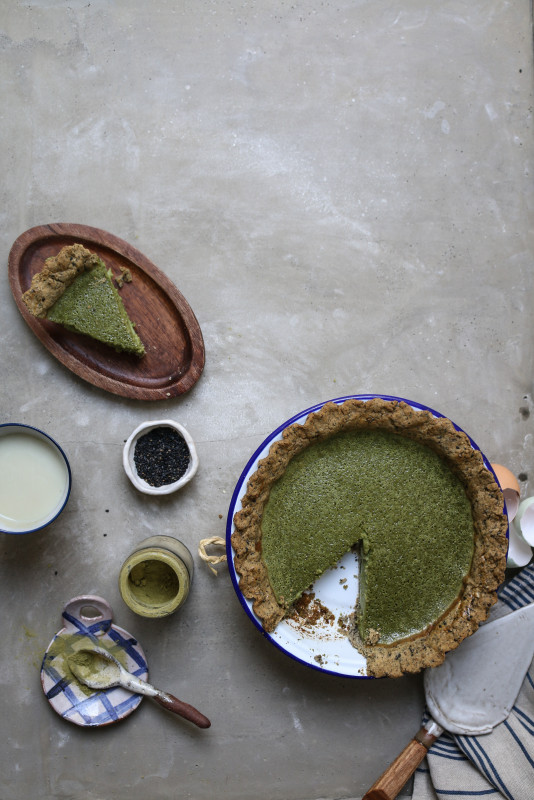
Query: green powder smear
{"x": 67, "y": 645}
{"x": 396, "y": 499}
{"x": 92, "y": 305}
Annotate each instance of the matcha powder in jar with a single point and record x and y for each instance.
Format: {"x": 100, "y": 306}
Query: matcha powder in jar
{"x": 155, "y": 579}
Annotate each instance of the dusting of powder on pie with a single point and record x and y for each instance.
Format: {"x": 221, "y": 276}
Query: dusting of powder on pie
{"x": 399, "y": 500}
{"x": 92, "y": 305}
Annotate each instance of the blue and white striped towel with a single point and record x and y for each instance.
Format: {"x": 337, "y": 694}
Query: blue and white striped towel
{"x": 499, "y": 764}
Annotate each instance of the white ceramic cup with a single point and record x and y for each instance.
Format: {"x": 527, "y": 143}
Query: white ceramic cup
{"x": 36, "y": 479}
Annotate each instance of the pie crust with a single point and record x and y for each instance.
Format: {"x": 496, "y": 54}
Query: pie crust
{"x": 428, "y": 647}
{"x": 56, "y": 276}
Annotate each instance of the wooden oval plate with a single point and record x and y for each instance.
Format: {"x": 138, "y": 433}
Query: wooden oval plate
{"x": 174, "y": 357}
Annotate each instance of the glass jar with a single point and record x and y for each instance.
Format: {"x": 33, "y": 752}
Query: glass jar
{"x": 155, "y": 579}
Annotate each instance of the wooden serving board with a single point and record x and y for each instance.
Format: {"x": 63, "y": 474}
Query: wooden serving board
{"x": 168, "y": 328}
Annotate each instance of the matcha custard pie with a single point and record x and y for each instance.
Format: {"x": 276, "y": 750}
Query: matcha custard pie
{"x": 409, "y": 497}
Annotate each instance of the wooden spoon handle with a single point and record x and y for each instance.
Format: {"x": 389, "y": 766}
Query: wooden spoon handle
{"x": 172, "y": 703}
{"x": 393, "y": 779}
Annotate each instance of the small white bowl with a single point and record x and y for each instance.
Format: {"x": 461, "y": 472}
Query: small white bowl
{"x": 129, "y": 463}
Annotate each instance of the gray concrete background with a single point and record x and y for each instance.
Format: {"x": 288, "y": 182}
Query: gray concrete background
{"x": 343, "y": 193}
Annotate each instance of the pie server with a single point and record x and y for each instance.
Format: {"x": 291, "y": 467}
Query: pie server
{"x": 470, "y": 693}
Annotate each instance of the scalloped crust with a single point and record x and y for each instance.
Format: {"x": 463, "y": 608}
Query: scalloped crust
{"x": 424, "y": 649}
{"x": 58, "y": 273}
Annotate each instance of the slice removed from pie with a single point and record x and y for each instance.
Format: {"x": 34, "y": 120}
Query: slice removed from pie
{"x": 412, "y": 493}
{"x": 75, "y": 289}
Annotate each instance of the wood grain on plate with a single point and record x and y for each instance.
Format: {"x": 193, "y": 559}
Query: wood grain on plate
{"x": 168, "y": 328}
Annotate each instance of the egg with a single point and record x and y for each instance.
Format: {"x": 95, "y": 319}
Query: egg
{"x": 510, "y": 488}
{"x": 525, "y": 520}
{"x": 519, "y": 552}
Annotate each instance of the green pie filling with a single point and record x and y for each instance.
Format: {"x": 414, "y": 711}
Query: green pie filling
{"x": 92, "y": 305}
{"x": 393, "y": 497}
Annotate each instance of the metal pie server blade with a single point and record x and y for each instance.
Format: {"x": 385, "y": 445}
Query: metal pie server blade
{"x": 477, "y": 684}
{"x": 470, "y": 693}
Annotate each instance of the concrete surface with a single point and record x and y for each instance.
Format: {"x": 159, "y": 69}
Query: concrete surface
{"x": 342, "y": 191}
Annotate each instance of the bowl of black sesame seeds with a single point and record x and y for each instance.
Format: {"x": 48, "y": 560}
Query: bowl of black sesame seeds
{"x": 160, "y": 457}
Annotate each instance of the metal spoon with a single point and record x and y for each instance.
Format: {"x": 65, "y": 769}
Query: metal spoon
{"x": 98, "y": 669}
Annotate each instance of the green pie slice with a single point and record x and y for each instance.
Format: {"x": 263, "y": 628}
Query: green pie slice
{"x": 75, "y": 289}
{"x": 92, "y": 305}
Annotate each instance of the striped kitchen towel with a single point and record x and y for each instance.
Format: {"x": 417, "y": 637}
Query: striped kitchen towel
{"x": 499, "y": 764}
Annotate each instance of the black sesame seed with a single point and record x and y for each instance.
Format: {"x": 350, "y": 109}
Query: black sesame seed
{"x": 161, "y": 456}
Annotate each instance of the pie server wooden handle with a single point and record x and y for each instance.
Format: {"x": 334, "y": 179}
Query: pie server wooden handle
{"x": 171, "y": 703}
{"x": 393, "y": 779}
